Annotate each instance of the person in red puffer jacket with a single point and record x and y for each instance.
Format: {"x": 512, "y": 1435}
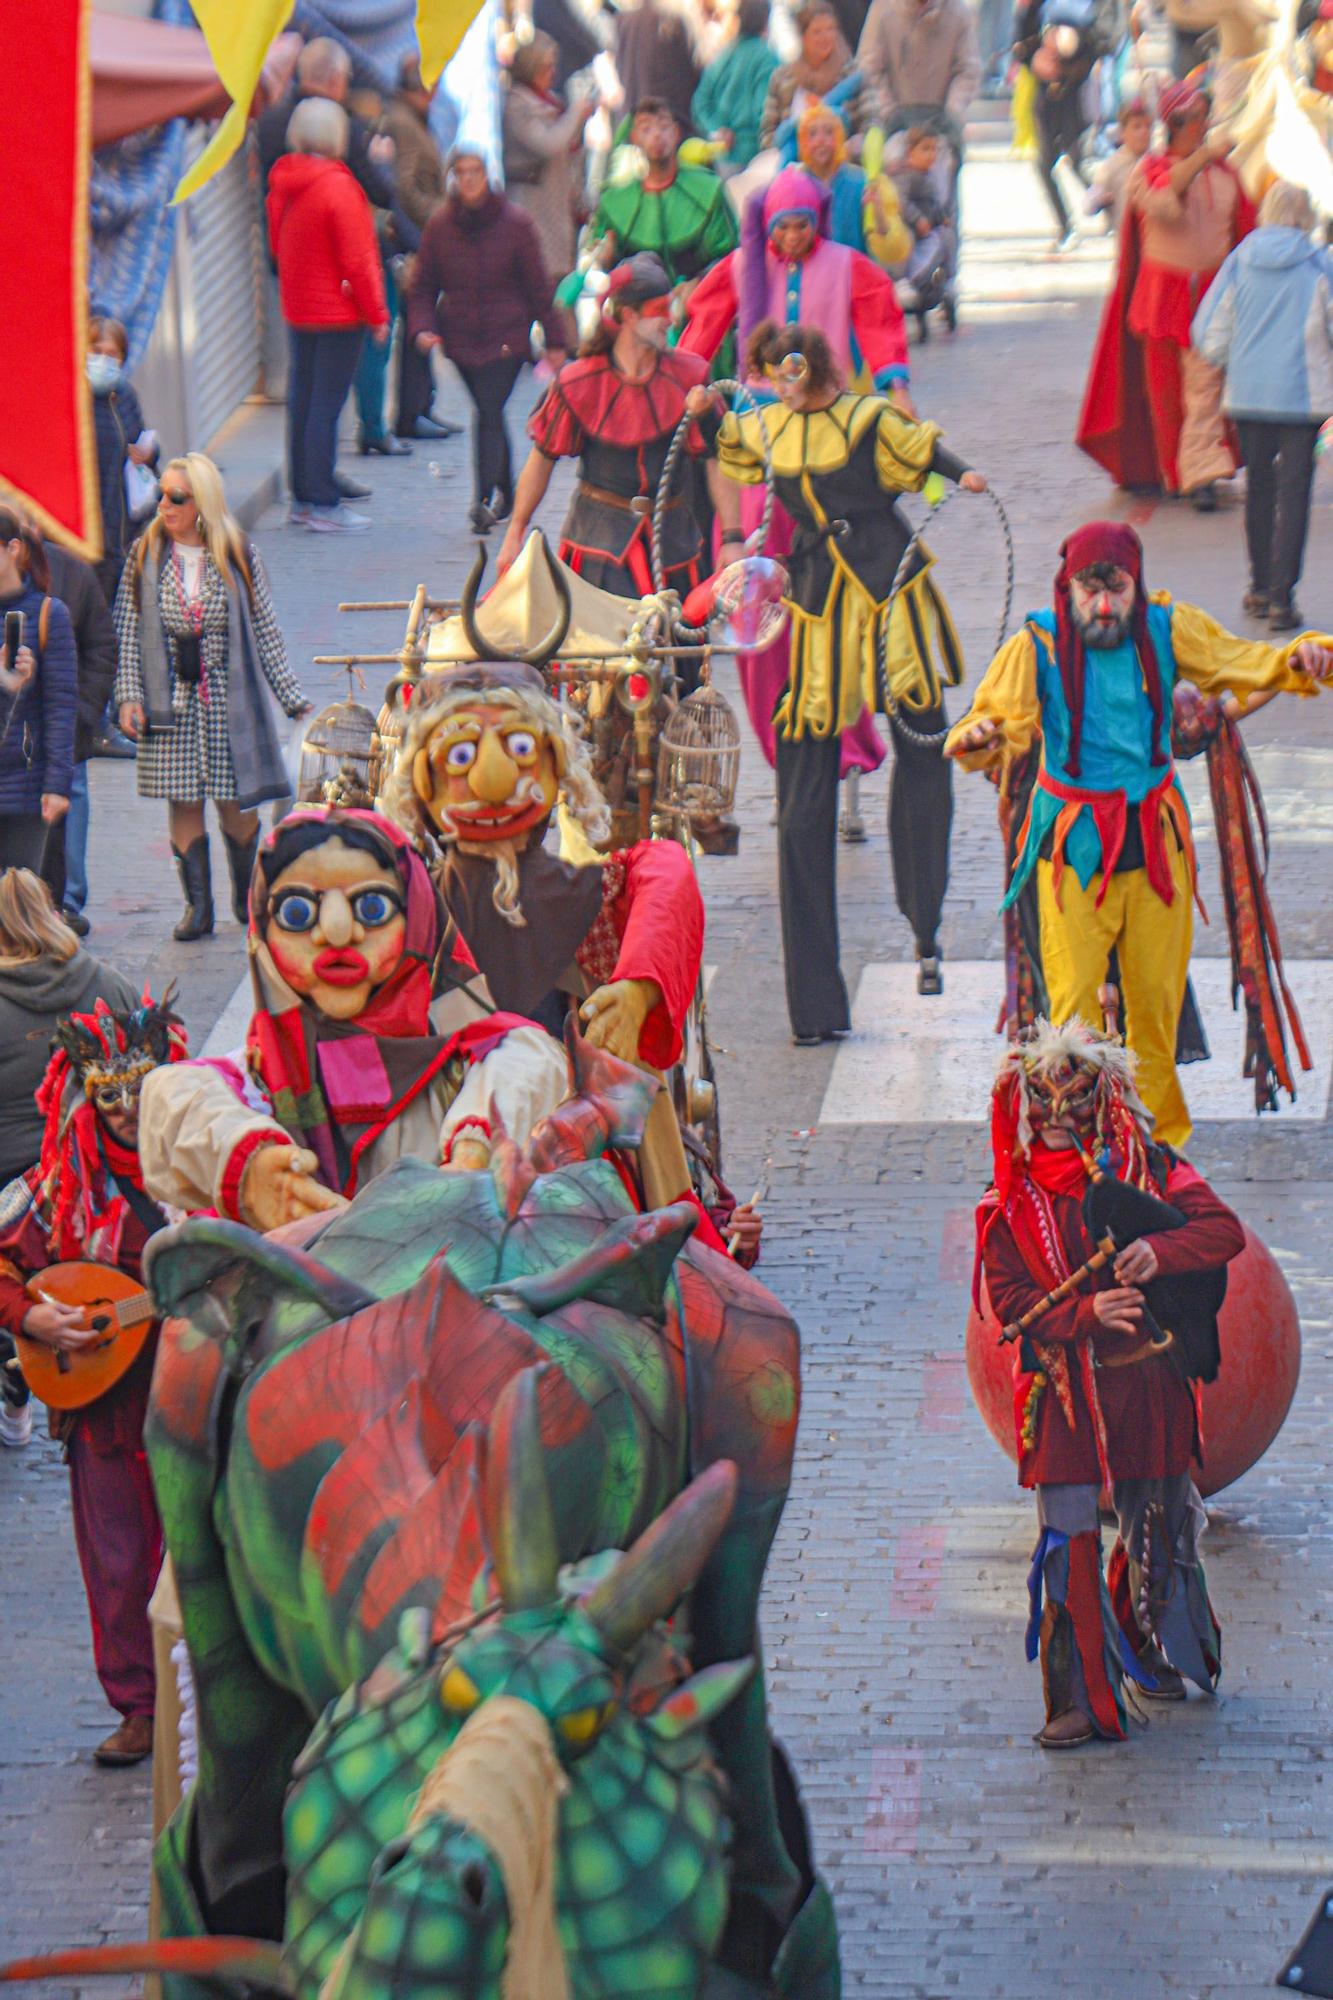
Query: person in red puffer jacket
{"x": 331, "y": 285}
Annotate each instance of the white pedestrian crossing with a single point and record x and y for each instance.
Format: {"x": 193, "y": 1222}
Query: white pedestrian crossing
{"x": 910, "y": 1061}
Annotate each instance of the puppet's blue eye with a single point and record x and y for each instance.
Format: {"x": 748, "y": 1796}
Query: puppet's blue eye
{"x": 459, "y": 756}
{"x": 372, "y": 907}
{"x": 296, "y": 911}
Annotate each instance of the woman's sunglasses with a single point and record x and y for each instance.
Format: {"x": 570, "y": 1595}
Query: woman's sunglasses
{"x": 175, "y": 495}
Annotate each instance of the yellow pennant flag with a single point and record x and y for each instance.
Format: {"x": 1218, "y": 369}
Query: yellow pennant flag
{"x": 441, "y": 26}
{"x": 239, "y": 34}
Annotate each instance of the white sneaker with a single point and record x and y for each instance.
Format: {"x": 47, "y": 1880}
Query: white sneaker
{"x": 298, "y": 515}
{"x": 15, "y": 1425}
{"x": 337, "y": 520}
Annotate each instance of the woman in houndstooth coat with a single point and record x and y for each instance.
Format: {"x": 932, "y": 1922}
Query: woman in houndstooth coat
{"x": 200, "y": 649}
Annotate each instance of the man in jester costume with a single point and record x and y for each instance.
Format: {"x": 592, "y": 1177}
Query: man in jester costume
{"x": 679, "y": 214}
{"x": 1105, "y": 1390}
{"x": 790, "y": 268}
{"x": 85, "y": 1200}
{"x": 1108, "y": 831}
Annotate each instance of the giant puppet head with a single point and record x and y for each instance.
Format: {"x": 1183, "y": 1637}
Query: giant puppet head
{"x": 1072, "y": 1078}
{"x": 1100, "y": 600}
{"x": 485, "y": 758}
{"x": 344, "y": 921}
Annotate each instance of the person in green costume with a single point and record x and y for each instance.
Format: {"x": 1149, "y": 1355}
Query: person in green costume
{"x": 679, "y": 213}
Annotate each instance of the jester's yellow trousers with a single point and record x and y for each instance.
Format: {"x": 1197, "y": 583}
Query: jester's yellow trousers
{"x": 1153, "y": 939}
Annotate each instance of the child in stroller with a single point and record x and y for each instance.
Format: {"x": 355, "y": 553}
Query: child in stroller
{"x": 923, "y": 158}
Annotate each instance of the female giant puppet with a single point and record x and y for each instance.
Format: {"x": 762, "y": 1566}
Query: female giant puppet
{"x": 344, "y": 1071}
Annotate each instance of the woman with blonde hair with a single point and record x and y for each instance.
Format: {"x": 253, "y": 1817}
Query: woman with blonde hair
{"x": 198, "y": 642}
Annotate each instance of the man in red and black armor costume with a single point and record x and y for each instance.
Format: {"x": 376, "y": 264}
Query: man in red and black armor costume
{"x": 1102, "y": 1398}
{"x": 615, "y": 408}
{"x": 85, "y": 1200}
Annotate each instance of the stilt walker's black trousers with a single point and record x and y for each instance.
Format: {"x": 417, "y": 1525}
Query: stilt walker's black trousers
{"x": 920, "y": 816}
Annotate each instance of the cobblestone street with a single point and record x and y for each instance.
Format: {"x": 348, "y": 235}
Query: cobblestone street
{"x": 1181, "y": 1865}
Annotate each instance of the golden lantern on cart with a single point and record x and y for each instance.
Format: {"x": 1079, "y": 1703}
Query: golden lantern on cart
{"x": 698, "y": 766}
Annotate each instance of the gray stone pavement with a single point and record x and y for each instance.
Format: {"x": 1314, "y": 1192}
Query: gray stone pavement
{"x": 1179, "y": 1866}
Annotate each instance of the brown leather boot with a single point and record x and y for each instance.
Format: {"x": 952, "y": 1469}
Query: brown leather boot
{"x": 1066, "y": 1731}
{"x": 1170, "y": 1686}
{"x": 129, "y": 1744}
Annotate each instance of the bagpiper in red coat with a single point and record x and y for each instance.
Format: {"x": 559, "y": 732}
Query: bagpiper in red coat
{"x": 1100, "y": 1399}
{"x": 85, "y": 1200}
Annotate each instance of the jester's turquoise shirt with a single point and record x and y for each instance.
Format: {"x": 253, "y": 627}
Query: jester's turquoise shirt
{"x": 1115, "y": 752}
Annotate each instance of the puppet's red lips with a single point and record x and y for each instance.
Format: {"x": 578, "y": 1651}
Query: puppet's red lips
{"x": 342, "y": 968}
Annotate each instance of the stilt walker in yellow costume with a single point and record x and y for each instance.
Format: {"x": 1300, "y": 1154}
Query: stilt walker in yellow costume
{"x": 1108, "y": 829}
{"x": 839, "y": 462}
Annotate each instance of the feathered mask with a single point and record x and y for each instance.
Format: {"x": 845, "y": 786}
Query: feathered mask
{"x": 1070, "y": 1075}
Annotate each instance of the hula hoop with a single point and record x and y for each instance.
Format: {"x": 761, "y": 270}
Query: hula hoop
{"x": 754, "y": 542}
{"x": 932, "y": 739}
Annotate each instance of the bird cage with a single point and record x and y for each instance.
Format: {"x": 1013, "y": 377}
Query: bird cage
{"x": 698, "y": 764}
{"x": 341, "y": 757}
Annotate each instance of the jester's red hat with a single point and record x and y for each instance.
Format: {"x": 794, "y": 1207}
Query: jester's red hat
{"x": 1094, "y": 543}
{"x": 636, "y": 282}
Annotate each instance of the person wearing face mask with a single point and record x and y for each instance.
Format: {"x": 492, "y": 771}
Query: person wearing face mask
{"x": 39, "y": 699}
{"x": 839, "y": 463}
{"x": 118, "y": 428}
{"x": 1099, "y": 1400}
{"x": 344, "y": 1071}
{"x": 479, "y": 284}
{"x": 201, "y": 652}
{"x": 85, "y": 1200}
{"x": 615, "y": 409}
{"x": 1108, "y": 831}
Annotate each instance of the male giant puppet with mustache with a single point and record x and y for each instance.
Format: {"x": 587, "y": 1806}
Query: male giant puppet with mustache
{"x": 485, "y": 758}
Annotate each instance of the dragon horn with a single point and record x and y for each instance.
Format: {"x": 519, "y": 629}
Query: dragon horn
{"x": 651, "y": 1578}
{"x": 516, "y": 1500}
{"x": 255, "y": 1960}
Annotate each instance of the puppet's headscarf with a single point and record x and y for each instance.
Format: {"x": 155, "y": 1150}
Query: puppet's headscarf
{"x": 1102, "y": 542}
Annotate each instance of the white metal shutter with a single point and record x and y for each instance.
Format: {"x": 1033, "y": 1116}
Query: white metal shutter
{"x": 221, "y": 295}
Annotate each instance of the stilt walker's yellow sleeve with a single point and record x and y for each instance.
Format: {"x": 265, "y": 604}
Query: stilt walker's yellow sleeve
{"x": 1007, "y": 695}
{"x": 1217, "y": 662}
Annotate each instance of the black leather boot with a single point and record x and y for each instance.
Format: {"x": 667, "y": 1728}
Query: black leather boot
{"x": 241, "y": 860}
{"x": 197, "y": 883}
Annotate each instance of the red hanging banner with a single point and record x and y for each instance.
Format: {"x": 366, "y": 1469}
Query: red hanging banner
{"x": 48, "y": 460}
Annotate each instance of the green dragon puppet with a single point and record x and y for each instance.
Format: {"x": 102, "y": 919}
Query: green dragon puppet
{"x": 446, "y": 1744}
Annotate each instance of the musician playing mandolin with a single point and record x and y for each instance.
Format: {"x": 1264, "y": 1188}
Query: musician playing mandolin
{"x": 84, "y": 1203}
{"x": 1104, "y": 1257}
